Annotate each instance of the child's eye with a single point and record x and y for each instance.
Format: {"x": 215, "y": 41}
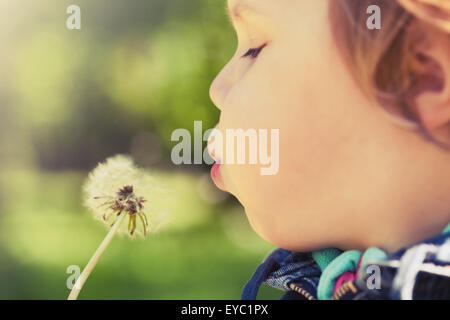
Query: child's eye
{"x": 253, "y": 53}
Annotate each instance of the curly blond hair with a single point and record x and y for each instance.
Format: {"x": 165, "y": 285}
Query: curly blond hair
{"x": 386, "y": 62}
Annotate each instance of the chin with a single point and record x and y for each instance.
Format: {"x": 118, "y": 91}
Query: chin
{"x": 277, "y": 235}
{"x": 296, "y": 245}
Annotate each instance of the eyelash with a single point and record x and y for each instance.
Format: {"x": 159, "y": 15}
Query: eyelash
{"x": 254, "y": 52}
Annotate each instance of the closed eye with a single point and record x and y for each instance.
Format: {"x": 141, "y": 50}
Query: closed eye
{"x": 253, "y": 53}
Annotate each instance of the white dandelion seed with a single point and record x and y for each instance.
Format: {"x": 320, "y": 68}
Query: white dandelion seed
{"x": 104, "y": 195}
{"x": 116, "y": 191}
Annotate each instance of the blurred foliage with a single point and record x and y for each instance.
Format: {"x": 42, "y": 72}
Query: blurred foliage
{"x": 81, "y": 95}
{"x": 136, "y": 71}
{"x": 47, "y": 230}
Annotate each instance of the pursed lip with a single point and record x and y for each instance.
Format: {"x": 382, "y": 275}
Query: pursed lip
{"x": 211, "y": 152}
{"x": 216, "y": 175}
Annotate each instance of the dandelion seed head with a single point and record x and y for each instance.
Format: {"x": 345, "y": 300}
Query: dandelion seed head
{"x": 118, "y": 186}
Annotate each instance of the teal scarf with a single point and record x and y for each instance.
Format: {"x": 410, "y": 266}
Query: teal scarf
{"x": 334, "y": 262}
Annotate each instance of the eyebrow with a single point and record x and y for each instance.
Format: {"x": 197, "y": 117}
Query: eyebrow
{"x": 236, "y": 12}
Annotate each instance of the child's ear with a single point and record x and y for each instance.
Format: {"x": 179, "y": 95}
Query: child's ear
{"x": 432, "y": 81}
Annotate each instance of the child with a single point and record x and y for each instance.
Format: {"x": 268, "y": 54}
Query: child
{"x": 364, "y": 144}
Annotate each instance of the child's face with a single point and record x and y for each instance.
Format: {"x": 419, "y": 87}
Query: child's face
{"x": 339, "y": 157}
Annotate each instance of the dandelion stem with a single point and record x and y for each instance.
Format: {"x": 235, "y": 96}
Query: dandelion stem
{"x": 94, "y": 259}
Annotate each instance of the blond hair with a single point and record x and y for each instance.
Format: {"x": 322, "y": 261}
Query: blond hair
{"x": 385, "y": 62}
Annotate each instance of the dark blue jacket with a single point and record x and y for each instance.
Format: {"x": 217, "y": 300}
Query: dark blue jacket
{"x": 421, "y": 271}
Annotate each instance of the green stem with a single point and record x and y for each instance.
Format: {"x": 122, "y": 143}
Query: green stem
{"x": 94, "y": 259}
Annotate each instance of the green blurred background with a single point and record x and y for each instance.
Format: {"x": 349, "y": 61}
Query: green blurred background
{"x": 137, "y": 70}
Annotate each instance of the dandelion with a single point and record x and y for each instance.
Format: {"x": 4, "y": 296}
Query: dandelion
{"x": 126, "y": 202}
{"x": 115, "y": 190}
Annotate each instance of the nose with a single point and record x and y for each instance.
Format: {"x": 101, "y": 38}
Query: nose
{"x": 221, "y": 85}
{"x": 216, "y": 91}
